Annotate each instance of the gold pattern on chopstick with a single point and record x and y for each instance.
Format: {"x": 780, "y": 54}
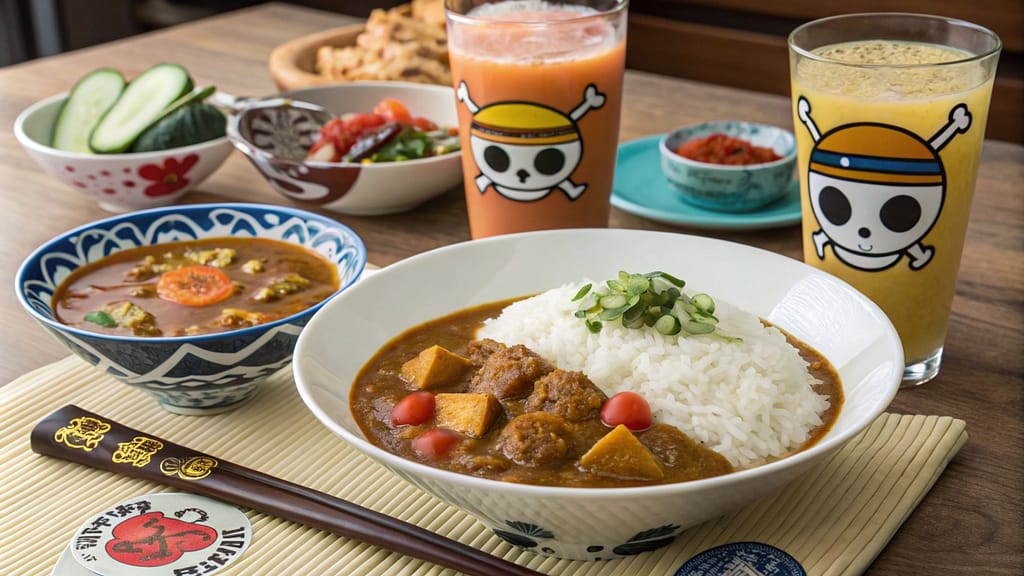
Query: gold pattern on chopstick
{"x": 84, "y": 433}
{"x": 193, "y": 468}
{"x": 137, "y": 452}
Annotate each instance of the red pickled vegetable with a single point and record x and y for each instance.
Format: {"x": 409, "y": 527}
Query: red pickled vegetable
{"x": 724, "y": 149}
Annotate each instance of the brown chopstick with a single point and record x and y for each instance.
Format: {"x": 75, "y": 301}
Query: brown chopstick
{"x": 74, "y": 434}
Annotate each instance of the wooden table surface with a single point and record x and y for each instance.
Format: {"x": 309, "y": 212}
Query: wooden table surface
{"x": 971, "y": 522}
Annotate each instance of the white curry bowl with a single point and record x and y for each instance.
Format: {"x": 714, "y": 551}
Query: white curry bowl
{"x": 118, "y": 182}
{"x": 347, "y": 187}
{"x": 599, "y": 523}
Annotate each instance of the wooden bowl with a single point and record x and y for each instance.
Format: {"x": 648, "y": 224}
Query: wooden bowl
{"x": 292, "y": 64}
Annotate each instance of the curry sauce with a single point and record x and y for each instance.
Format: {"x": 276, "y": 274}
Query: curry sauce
{"x": 508, "y": 415}
{"x": 261, "y": 280}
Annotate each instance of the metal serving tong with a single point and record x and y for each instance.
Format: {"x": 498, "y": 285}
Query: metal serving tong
{"x": 74, "y": 434}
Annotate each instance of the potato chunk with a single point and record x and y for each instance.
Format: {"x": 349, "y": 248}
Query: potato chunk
{"x": 434, "y": 367}
{"x": 466, "y": 412}
{"x": 619, "y": 454}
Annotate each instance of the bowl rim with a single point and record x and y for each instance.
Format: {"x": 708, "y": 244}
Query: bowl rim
{"x": 30, "y": 261}
{"x": 671, "y": 154}
{"x": 826, "y": 445}
{"x": 33, "y": 144}
{"x": 246, "y": 147}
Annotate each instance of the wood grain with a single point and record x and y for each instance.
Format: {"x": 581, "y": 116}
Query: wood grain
{"x": 742, "y": 43}
{"x": 969, "y": 523}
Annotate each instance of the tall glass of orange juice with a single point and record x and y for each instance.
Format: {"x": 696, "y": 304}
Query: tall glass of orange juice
{"x": 890, "y": 113}
{"x": 539, "y": 94}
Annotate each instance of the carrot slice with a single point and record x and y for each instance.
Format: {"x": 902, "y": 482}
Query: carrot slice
{"x": 194, "y": 285}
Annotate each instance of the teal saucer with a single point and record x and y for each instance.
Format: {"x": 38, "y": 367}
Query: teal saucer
{"x": 640, "y": 188}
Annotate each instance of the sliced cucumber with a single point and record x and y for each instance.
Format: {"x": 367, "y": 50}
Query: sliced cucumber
{"x": 89, "y": 100}
{"x": 142, "y": 103}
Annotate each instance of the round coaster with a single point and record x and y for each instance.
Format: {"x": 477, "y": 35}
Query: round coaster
{"x": 165, "y": 534}
{"x": 742, "y": 558}
{"x": 67, "y": 565}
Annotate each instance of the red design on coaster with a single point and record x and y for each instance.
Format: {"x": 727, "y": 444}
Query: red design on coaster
{"x": 162, "y": 534}
{"x": 153, "y": 539}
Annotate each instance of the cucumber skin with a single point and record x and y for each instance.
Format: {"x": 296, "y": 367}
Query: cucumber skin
{"x": 190, "y": 124}
{"x": 101, "y": 142}
{"x": 61, "y": 139}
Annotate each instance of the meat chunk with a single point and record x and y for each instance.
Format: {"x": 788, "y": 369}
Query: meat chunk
{"x": 569, "y": 394}
{"x": 479, "y": 350}
{"x": 621, "y": 455}
{"x": 466, "y": 412}
{"x": 434, "y": 367}
{"x": 509, "y": 372}
{"x": 535, "y": 439}
{"x": 678, "y": 451}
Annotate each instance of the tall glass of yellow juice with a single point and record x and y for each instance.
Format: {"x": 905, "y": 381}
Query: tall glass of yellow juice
{"x": 539, "y": 94}
{"x": 890, "y": 113}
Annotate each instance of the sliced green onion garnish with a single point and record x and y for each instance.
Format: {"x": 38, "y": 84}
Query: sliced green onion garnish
{"x": 654, "y": 299}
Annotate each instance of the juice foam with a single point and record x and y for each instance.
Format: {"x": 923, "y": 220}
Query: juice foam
{"x": 534, "y": 31}
{"x": 888, "y": 69}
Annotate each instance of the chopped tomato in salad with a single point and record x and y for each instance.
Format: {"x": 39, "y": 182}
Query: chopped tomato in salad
{"x": 390, "y": 133}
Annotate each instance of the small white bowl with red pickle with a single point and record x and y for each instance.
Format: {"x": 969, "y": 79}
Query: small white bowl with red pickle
{"x": 729, "y": 166}
{"x": 388, "y": 147}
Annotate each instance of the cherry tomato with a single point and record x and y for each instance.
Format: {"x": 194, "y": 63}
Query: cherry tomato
{"x": 628, "y": 408}
{"x": 416, "y": 408}
{"x": 436, "y": 442}
{"x": 425, "y": 124}
{"x": 393, "y": 109}
{"x": 333, "y": 129}
{"x": 356, "y": 124}
{"x": 334, "y": 132}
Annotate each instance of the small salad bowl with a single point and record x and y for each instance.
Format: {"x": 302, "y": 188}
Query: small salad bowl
{"x": 118, "y": 182}
{"x": 730, "y": 187}
{"x": 276, "y": 134}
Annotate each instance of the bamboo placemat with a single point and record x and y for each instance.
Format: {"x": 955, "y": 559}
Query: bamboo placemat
{"x": 834, "y": 520}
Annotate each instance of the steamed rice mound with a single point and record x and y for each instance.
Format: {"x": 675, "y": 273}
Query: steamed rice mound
{"x": 750, "y": 401}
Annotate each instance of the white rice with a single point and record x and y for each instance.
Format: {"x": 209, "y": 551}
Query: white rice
{"x": 750, "y": 401}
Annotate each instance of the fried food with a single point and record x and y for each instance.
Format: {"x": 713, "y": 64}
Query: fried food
{"x": 408, "y": 43}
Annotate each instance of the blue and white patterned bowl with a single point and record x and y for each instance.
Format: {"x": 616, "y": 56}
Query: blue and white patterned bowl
{"x": 730, "y": 188}
{"x": 189, "y": 374}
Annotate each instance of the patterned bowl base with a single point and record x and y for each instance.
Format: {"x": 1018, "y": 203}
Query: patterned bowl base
{"x": 207, "y": 401}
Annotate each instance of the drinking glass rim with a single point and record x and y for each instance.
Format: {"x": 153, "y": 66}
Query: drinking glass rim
{"x": 619, "y": 7}
{"x": 808, "y": 54}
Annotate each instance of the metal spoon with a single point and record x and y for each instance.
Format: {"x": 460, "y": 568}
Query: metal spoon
{"x": 282, "y": 127}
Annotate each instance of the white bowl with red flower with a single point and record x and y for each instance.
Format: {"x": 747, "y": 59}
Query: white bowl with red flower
{"x": 118, "y": 182}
